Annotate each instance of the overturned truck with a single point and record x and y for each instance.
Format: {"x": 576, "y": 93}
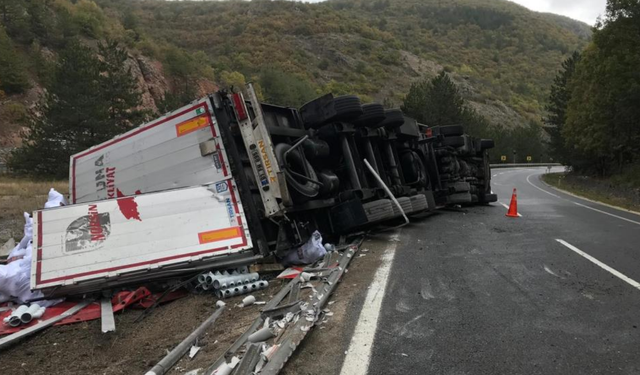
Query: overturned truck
{"x": 227, "y": 180}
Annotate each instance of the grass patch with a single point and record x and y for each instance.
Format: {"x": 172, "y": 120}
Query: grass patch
{"x": 617, "y": 191}
{"x": 18, "y": 195}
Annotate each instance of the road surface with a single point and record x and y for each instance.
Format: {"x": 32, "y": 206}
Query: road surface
{"x": 474, "y": 292}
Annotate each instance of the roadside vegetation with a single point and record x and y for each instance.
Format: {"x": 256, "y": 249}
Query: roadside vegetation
{"x": 500, "y": 55}
{"x": 619, "y": 191}
{"x": 594, "y": 117}
{"x": 18, "y": 195}
{"x": 438, "y": 101}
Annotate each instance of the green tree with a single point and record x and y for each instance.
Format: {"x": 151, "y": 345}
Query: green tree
{"x": 89, "y": 101}
{"x": 13, "y": 75}
{"x": 119, "y": 89}
{"x": 603, "y": 116}
{"x": 557, "y": 109}
{"x": 285, "y": 89}
{"x": 435, "y": 102}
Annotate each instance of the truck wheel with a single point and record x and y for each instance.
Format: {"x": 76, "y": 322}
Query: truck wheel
{"x": 486, "y": 144}
{"x": 489, "y": 198}
{"x": 459, "y": 198}
{"x": 450, "y": 130}
{"x": 455, "y": 141}
{"x": 298, "y": 162}
{"x": 372, "y": 116}
{"x": 393, "y": 118}
{"x": 348, "y": 107}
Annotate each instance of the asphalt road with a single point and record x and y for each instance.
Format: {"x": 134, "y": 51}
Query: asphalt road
{"x": 475, "y": 292}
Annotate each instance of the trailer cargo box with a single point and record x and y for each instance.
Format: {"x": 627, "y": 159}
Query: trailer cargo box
{"x": 180, "y": 149}
{"x": 90, "y": 246}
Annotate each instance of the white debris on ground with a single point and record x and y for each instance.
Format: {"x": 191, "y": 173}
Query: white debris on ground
{"x": 16, "y": 274}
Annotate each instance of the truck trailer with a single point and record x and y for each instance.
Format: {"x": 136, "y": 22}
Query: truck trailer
{"x": 227, "y": 181}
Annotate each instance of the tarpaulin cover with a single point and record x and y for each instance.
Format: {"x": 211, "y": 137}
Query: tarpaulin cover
{"x": 140, "y": 298}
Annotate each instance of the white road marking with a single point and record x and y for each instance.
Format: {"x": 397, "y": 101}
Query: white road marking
{"x": 616, "y": 273}
{"x": 542, "y": 190}
{"x": 358, "y": 356}
{"x": 607, "y": 213}
{"x": 507, "y": 207}
{"x": 592, "y": 201}
{"x": 582, "y": 205}
{"x": 494, "y": 175}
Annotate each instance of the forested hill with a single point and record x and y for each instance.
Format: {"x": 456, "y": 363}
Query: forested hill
{"x": 502, "y": 56}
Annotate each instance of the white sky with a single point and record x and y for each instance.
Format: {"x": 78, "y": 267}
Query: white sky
{"x": 582, "y": 10}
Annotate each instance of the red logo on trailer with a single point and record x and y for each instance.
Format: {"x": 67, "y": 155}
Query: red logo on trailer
{"x": 128, "y": 206}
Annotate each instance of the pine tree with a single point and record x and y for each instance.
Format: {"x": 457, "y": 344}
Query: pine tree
{"x": 435, "y": 102}
{"x": 119, "y": 89}
{"x": 89, "y": 101}
{"x": 13, "y": 74}
{"x": 557, "y": 108}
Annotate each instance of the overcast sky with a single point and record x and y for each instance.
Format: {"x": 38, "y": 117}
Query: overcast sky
{"x": 582, "y": 10}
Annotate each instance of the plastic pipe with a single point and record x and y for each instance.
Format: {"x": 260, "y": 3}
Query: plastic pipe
{"x": 262, "y": 335}
{"x": 27, "y": 316}
{"x": 235, "y": 280}
{"x": 174, "y": 356}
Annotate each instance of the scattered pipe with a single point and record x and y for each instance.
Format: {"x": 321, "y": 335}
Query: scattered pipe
{"x": 262, "y": 335}
{"x": 235, "y": 280}
{"x": 248, "y": 301}
{"x": 27, "y": 316}
{"x": 242, "y": 289}
{"x": 174, "y": 356}
{"x": 14, "y": 318}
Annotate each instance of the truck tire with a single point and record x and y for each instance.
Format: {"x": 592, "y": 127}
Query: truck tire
{"x": 419, "y": 203}
{"x": 324, "y": 109}
{"x": 405, "y": 203}
{"x": 378, "y": 210}
{"x": 372, "y": 116}
{"x": 450, "y": 130}
{"x": 486, "y": 144}
{"x": 455, "y": 141}
{"x": 307, "y": 189}
{"x": 488, "y": 198}
{"x": 348, "y": 107}
{"x": 459, "y": 198}
{"x": 393, "y": 118}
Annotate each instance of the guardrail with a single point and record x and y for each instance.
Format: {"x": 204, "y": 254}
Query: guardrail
{"x": 520, "y": 165}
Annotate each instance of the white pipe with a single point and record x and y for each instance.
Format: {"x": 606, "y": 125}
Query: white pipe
{"x": 261, "y": 335}
{"x": 14, "y": 318}
{"x": 386, "y": 189}
{"x": 248, "y": 301}
{"x": 39, "y": 313}
{"x": 234, "y": 280}
{"x": 27, "y": 316}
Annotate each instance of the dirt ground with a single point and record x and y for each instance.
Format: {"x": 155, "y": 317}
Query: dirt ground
{"x": 135, "y": 347}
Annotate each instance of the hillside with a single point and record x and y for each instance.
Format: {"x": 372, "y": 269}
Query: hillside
{"x": 502, "y": 56}
{"x": 501, "y": 52}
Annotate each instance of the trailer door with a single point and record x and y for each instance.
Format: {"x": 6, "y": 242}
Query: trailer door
{"x": 180, "y": 149}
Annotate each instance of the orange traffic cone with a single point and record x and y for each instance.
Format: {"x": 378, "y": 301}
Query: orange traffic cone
{"x": 513, "y": 207}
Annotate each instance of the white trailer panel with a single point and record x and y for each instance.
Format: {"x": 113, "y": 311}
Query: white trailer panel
{"x": 113, "y": 238}
{"x": 181, "y": 149}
